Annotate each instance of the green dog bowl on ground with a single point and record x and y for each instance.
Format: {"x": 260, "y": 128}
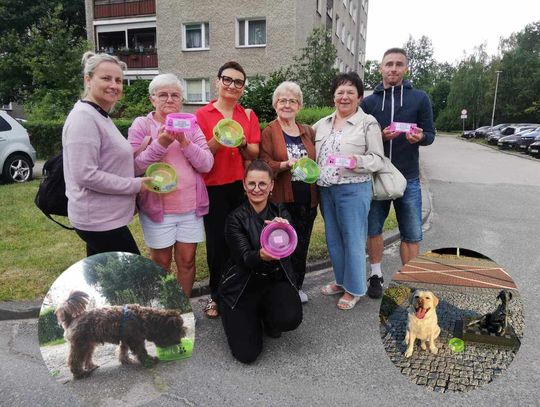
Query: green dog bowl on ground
{"x": 164, "y": 178}
{"x": 456, "y": 345}
{"x": 229, "y": 133}
{"x": 306, "y": 169}
{"x": 183, "y": 350}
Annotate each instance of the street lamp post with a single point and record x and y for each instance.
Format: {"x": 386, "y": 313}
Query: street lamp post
{"x": 495, "y": 97}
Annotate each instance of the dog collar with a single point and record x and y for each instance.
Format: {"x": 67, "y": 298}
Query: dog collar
{"x": 127, "y": 316}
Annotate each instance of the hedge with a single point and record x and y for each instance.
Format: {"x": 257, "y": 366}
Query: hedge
{"x": 46, "y": 136}
{"x": 48, "y": 328}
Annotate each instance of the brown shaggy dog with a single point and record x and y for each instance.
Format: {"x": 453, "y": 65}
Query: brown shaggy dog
{"x": 129, "y": 325}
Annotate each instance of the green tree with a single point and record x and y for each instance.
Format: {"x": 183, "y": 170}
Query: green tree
{"x": 314, "y": 69}
{"x": 420, "y": 61}
{"x": 135, "y": 101}
{"x": 41, "y": 66}
{"x": 372, "y": 74}
{"x": 467, "y": 90}
{"x": 123, "y": 277}
{"x": 518, "y": 95}
{"x": 259, "y": 91}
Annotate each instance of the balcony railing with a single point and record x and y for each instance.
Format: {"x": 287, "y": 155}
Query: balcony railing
{"x": 139, "y": 60}
{"x": 123, "y": 8}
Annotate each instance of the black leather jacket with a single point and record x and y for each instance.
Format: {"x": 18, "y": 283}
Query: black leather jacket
{"x": 242, "y": 233}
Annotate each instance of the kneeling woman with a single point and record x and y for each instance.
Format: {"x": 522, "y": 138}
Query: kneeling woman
{"x": 258, "y": 291}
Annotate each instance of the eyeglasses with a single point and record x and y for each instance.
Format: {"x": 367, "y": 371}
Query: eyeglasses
{"x": 284, "y": 101}
{"x": 164, "y": 96}
{"x": 263, "y": 186}
{"x": 227, "y": 80}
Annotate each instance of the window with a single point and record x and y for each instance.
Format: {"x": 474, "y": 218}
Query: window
{"x": 197, "y": 91}
{"x": 343, "y": 33}
{"x": 196, "y": 36}
{"x": 4, "y": 125}
{"x": 320, "y": 6}
{"x": 252, "y": 33}
{"x": 337, "y": 25}
{"x": 349, "y": 41}
{"x": 127, "y": 39}
{"x": 353, "y": 46}
{"x": 345, "y": 3}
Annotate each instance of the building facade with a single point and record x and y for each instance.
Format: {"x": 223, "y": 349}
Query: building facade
{"x": 193, "y": 39}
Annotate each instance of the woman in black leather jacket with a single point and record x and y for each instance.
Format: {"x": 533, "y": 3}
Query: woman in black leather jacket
{"x": 257, "y": 290}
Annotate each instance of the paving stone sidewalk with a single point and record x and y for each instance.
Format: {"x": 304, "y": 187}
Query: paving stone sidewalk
{"x": 477, "y": 365}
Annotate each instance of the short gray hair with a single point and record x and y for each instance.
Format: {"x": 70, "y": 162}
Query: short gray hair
{"x": 288, "y": 86}
{"x": 91, "y": 60}
{"x": 163, "y": 80}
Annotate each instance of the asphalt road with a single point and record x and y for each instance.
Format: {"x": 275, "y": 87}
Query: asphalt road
{"x": 481, "y": 200}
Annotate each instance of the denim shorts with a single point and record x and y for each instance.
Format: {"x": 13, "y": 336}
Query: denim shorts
{"x": 408, "y": 213}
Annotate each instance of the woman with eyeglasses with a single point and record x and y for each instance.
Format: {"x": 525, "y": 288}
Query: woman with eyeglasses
{"x": 172, "y": 223}
{"x": 224, "y": 181}
{"x": 258, "y": 292}
{"x": 283, "y": 142}
{"x": 349, "y": 149}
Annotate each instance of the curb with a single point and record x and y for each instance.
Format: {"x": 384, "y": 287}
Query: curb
{"x": 10, "y": 310}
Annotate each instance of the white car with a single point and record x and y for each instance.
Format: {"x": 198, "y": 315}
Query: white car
{"x": 17, "y": 156}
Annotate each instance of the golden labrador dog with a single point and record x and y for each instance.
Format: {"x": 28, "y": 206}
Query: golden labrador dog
{"x": 422, "y": 322}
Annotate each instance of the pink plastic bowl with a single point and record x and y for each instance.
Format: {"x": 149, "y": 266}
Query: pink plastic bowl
{"x": 279, "y": 239}
{"x": 181, "y": 122}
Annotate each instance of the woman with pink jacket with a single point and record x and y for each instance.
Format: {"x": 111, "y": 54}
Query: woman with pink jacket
{"x": 172, "y": 223}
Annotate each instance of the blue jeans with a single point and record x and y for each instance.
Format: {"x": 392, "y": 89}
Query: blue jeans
{"x": 408, "y": 213}
{"x": 345, "y": 210}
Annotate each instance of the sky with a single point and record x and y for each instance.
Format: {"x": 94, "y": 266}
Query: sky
{"x": 454, "y": 26}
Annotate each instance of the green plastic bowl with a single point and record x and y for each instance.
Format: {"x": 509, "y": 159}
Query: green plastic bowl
{"x": 456, "y": 345}
{"x": 164, "y": 178}
{"x": 183, "y": 350}
{"x": 306, "y": 169}
{"x": 229, "y": 133}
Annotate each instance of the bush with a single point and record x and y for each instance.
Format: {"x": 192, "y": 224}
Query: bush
{"x": 48, "y": 328}
{"x": 46, "y": 136}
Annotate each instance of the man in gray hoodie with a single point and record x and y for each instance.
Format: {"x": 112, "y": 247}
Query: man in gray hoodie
{"x": 395, "y": 100}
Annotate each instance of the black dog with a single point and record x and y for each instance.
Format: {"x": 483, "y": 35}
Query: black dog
{"x": 496, "y": 321}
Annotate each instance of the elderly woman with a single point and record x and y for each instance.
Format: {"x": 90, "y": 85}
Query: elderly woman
{"x": 283, "y": 142}
{"x": 258, "y": 292}
{"x": 98, "y": 162}
{"x": 349, "y": 148}
{"x": 172, "y": 223}
{"x": 224, "y": 181}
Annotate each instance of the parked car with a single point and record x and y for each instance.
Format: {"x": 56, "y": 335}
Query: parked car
{"x": 468, "y": 134}
{"x": 480, "y": 132}
{"x": 512, "y": 142}
{"x": 17, "y": 156}
{"x": 534, "y": 148}
{"x": 527, "y": 139}
{"x": 508, "y": 131}
{"x": 496, "y": 132}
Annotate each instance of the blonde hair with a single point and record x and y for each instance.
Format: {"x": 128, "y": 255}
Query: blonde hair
{"x": 91, "y": 60}
{"x": 288, "y": 86}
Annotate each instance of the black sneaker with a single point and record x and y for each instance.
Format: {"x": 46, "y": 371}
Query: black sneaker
{"x": 272, "y": 333}
{"x": 375, "y": 287}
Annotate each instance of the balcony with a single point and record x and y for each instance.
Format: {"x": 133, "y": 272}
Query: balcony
{"x": 123, "y": 8}
{"x": 137, "y": 60}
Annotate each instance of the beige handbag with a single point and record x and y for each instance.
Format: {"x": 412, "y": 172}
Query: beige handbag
{"x": 388, "y": 183}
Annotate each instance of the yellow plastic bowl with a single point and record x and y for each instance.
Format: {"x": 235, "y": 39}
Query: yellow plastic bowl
{"x": 164, "y": 178}
{"x": 229, "y": 133}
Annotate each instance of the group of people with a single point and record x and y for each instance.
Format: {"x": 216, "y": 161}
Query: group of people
{"x": 226, "y": 195}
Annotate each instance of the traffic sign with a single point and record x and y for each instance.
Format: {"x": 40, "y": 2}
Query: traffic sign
{"x": 464, "y": 112}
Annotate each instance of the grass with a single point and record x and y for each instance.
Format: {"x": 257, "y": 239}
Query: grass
{"x": 35, "y": 251}
{"x": 59, "y": 341}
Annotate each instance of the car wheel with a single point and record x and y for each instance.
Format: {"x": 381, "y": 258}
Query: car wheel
{"x": 17, "y": 168}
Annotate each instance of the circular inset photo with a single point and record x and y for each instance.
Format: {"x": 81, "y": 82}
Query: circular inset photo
{"x": 451, "y": 320}
{"x": 115, "y": 318}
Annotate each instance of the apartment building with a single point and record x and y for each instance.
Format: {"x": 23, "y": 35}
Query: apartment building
{"x": 194, "y": 38}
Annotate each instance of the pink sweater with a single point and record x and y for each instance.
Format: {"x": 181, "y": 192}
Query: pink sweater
{"x": 189, "y": 162}
{"x": 99, "y": 171}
